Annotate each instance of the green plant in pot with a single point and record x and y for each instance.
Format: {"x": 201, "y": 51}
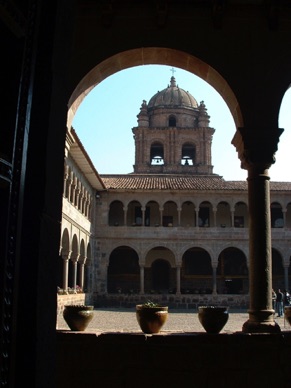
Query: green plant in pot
{"x": 151, "y": 317}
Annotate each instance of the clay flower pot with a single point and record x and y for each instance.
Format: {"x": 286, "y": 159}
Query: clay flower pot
{"x": 78, "y": 317}
{"x": 151, "y": 318}
{"x": 213, "y": 318}
{"x": 287, "y": 313}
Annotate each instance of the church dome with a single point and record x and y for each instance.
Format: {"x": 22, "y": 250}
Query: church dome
{"x": 171, "y": 97}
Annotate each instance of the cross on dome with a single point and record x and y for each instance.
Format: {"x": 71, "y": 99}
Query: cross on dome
{"x": 173, "y": 71}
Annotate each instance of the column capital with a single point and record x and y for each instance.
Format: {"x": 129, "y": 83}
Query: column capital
{"x": 257, "y": 146}
{"x": 66, "y": 255}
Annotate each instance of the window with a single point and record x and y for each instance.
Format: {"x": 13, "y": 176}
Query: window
{"x": 172, "y": 121}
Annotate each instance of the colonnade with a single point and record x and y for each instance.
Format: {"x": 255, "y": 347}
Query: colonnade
{"x": 76, "y": 193}
{"x": 78, "y": 265}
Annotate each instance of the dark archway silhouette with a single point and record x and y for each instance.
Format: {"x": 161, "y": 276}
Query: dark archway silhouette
{"x": 161, "y": 275}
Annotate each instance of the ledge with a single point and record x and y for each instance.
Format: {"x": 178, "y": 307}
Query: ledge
{"x": 172, "y": 359}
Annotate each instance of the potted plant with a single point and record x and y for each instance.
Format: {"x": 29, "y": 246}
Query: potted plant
{"x": 78, "y": 316}
{"x": 213, "y": 318}
{"x": 151, "y": 316}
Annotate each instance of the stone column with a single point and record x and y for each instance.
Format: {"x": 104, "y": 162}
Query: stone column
{"x": 77, "y": 194}
{"x": 214, "y": 277}
{"x": 75, "y": 261}
{"x": 66, "y": 177}
{"x": 81, "y": 272}
{"x": 284, "y": 217}
{"x": 161, "y": 216}
{"x": 197, "y": 217}
{"x": 178, "y": 280}
{"x": 286, "y": 280}
{"x": 72, "y": 189}
{"x": 89, "y": 207}
{"x": 125, "y": 215}
{"x": 179, "y": 210}
{"x": 143, "y": 209}
{"x": 232, "y": 211}
{"x": 141, "y": 274}
{"x": 214, "y": 216}
{"x": 256, "y": 152}
{"x": 86, "y": 205}
{"x": 66, "y": 257}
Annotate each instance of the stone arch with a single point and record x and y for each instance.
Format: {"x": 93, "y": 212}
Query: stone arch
{"x": 161, "y": 275}
{"x": 75, "y": 247}
{"x": 160, "y": 56}
{"x": 241, "y": 217}
{"x": 277, "y": 269}
{"x": 277, "y": 217}
{"x": 134, "y": 213}
{"x": 196, "y": 271}
{"x": 188, "y": 153}
{"x": 116, "y": 213}
{"x": 159, "y": 263}
{"x": 232, "y": 272}
{"x": 188, "y": 214}
{"x": 170, "y": 213}
{"x": 65, "y": 251}
{"x": 123, "y": 270}
{"x": 157, "y": 153}
{"x": 205, "y": 214}
{"x": 65, "y": 243}
{"x": 223, "y": 215}
{"x": 153, "y": 214}
{"x": 172, "y": 121}
{"x": 82, "y": 249}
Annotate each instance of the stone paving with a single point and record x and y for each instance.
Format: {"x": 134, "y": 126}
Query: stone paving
{"x": 124, "y": 320}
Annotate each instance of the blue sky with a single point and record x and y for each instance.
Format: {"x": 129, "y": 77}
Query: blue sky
{"x": 106, "y": 116}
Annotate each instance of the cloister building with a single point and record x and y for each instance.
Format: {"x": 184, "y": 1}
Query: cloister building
{"x": 171, "y": 229}
{"x": 53, "y": 54}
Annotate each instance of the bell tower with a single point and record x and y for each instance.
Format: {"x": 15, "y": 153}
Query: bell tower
{"x": 173, "y": 134}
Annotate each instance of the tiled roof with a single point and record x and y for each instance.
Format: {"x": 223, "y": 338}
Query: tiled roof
{"x": 178, "y": 182}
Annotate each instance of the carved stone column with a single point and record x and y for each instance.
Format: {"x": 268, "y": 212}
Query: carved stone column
{"x": 256, "y": 152}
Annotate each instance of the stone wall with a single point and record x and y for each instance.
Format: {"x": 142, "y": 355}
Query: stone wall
{"x": 188, "y": 301}
{"x": 69, "y": 299}
{"x": 124, "y": 360}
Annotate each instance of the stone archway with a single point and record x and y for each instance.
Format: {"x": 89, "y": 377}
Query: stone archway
{"x": 149, "y": 56}
{"x": 161, "y": 275}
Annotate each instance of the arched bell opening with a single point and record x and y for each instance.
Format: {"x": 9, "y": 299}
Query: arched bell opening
{"x": 188, "y": 154}
{"x": 157, "y": 154}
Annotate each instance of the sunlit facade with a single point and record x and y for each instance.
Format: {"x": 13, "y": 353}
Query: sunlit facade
{"x": 171, "y": 227}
